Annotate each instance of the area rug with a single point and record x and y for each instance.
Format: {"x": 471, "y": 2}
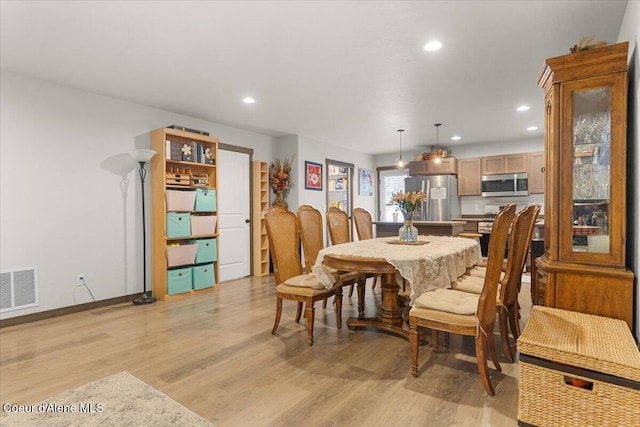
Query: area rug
{"x": 117, "y": 400}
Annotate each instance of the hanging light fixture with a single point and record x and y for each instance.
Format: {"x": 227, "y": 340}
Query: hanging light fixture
{"x": 438, "y": 158}
{"x": 400, "y": 163}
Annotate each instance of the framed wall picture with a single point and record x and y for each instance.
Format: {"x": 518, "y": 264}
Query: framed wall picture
{"x": 366, "y": 183}
{"x": 312, "y": 176}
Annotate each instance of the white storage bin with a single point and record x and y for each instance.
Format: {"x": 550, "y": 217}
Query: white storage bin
{"x": 180, "y": 201}
{"x": 203, "y": 224}
{"x": 181, "y": 254}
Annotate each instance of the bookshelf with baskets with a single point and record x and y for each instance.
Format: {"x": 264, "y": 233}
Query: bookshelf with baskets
{"x": 260, "y": 201}
{"x": 184, "y": 229}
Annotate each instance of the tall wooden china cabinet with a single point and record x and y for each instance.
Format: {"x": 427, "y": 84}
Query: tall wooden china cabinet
{"x": 583, "y": 266}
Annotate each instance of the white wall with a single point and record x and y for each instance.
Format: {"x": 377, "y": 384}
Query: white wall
{"x": 307, "y": 149}
{"x": 60, "y": 209}
{"x": 318, "y": 152}
{"x": 629, "y": 32}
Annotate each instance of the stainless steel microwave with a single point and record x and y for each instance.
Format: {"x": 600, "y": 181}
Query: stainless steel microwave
{"x": 508, "y": 184}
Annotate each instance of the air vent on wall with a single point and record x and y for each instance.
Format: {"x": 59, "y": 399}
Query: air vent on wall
{"x": 18, "y": 289}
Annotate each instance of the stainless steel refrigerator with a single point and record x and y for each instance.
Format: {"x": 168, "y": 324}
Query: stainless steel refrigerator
{"x": 441, "y": 203}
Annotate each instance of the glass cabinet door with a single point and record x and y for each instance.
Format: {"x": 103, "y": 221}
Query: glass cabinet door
{"x": 591, "y": 170}
{"x": 592, "y": 155}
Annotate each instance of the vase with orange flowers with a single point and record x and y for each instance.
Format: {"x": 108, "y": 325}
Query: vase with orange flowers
{"x": 280, "y": 180}
{"x": 407, "y": 203}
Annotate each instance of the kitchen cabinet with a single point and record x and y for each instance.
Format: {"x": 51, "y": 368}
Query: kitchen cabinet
{"x": 184, "y": 247}
{"x": 583, "y": 265}
{"x": 469, "y": 177}
{"x": 535, "y": 172}
{"x": 515, "y": 163}
{"x": 508, "y": 163}
{"x": 470, "y": 171}
{"x": 446, "y": 166}
{"x": 492, "y": 165}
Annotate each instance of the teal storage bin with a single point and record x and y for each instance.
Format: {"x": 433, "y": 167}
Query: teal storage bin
{"x": 205, "y": 200}
{"x": 179, "y": 280}
{"x": 178, "y": 224}
{"x": 207, "y": 251}
{"x": 203, "y": 276}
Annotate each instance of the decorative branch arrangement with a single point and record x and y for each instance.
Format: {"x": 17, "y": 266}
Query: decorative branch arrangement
{"x": 587, "y": 44}
{"x": 280, "y": 179}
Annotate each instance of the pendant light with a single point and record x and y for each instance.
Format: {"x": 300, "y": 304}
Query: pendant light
{"x": 401, "y": 163}
{"x": 438, "y": 158}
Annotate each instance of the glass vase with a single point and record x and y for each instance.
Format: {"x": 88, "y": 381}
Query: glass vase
{"x": 408, "y": 233}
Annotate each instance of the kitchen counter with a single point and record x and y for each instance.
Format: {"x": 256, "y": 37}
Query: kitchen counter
{"x": 470, "y": 223}
{"x": 434, "y": 228}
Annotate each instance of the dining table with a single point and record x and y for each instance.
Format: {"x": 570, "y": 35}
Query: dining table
{"x": 430, "y": 263}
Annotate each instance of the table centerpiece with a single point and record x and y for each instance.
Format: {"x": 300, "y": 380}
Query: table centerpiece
{"x": 407, "y": 203}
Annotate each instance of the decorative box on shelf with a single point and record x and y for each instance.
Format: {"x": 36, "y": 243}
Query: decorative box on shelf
{"x": 178, "y": 176}
{"x": 200, "y": 180}
{"x": 182, "y": 151}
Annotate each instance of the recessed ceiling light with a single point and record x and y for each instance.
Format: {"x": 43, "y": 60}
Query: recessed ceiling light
{"x": 523, "y": 108}
{"x": 532, "y": 128}
{"x": 432, "y": 46}
{"x": 248, "y": 100}
{"x": 455, "y": 138}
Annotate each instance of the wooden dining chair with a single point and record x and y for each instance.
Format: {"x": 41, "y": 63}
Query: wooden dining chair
{"x": 463, "y": 313}
{"x": 508, "y": 297}
{"x": 338, "y": 225}
{"x": 510, "y": 283}
{"x": 311, "y": 229}
{"x": 282, "y": 230}
{"x": 364, "y": 229}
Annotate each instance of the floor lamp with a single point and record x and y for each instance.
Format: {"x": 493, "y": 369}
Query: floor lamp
{"x": 142, "y": 157}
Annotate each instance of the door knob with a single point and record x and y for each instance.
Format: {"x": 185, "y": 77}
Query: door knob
{"x": 247, "y": 221}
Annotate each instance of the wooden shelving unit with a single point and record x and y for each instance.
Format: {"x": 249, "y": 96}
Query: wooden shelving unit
{"x": 260, "y": 204}
{"x": 193, "y": 175}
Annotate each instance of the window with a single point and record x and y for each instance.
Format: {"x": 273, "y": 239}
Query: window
{"x": 391, "y": 181}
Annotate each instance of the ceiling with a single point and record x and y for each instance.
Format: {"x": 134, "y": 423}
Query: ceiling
{"x": 347, "y": 73}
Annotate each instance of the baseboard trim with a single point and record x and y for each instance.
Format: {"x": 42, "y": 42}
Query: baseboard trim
{"x": 27, "y": 318}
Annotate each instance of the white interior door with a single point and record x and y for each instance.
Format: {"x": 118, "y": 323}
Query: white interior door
{"x": 233, "y": 215}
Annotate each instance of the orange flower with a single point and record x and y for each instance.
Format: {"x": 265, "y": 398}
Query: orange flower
{"x": 408, "y": 202}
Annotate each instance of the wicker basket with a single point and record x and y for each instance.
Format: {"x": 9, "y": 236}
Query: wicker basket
{"x": 577, "y": 370}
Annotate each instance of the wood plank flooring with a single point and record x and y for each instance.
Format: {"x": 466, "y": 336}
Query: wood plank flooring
{"x": 214, "y": 353}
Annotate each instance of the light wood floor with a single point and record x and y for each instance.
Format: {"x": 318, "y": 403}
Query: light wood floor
{"x": 215, "y": 354}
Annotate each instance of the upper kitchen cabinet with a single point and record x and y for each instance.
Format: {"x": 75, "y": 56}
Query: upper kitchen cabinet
{"x": 508, "y": 163}
{"x": 469, "y": 177}
{"x": 445, "y": 166}
{"x": 470, "y": 171}
{"x": 583, "y": 267}
{"x": 535, "y": 172}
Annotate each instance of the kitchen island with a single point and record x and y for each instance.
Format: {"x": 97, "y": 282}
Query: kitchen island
{"x": 425, "y": 228}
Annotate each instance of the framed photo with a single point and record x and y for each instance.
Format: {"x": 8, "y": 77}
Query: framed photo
{"x": 312, "y": 176}
{"x": 366, "y": 183}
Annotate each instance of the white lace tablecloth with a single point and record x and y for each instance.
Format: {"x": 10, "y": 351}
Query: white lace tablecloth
{"x": 434, "y": 265}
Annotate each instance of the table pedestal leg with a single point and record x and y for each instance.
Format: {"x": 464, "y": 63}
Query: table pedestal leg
{"x": 390, "y": 318}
